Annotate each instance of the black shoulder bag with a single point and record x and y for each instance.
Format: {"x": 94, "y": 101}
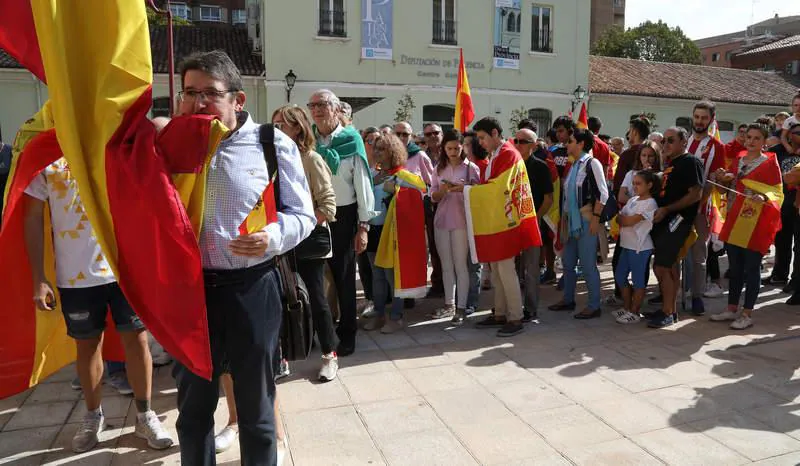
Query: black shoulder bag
{"x": 297, "y": 328}
{"x": 611, "y": 207}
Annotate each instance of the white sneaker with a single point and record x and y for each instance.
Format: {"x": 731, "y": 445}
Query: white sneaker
{"x": 725, "y": 315}
{"x": 283, "y": 369}
{"x": 330, "y": 366}
{"x": 742, "y": 322}
{"x": 149, "y": 428}
{"x": 87, "y": 436}
{"x": 392, "y": 326}
{"x": 619, "y": 313}
{"x": 628, "y": 318}
{"x": 368, "y": 310}
{"x": 225, "y": 438}
{"x": 713, "y": 291}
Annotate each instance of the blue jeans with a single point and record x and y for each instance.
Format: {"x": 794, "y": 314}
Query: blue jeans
{"x": 383, "y": 289}
{"x": 474, "y": 294}
{"x": 635, "y": 264}
{"x": 585, "y": 249}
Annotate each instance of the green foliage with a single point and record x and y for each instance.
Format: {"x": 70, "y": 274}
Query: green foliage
{"x": 517, "y": 115}
{"x": 405, "y": 108}
{"x": 649, "y": 41}
{"x": 161, "y": 20}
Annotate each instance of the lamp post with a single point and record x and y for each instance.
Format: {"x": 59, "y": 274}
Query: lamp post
{"x": 290, "y": 79}
{"x": 579, "y": 93}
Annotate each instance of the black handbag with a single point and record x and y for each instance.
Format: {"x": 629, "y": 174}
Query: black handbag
{"x": 297, "y": 327}
{"x": 611, "y": 208}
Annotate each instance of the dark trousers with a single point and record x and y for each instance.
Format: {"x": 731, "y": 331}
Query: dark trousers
{"x": 244, "y": 320}
{"x": 343, "y": 267}
{"x": 436, "y": 262}
{"x": 784, "y": 237}
{"x": 745, "y": 267}
{"x": 365, "y": 272}
{"x": 712, "y": 264}
{"x": 312, "y": 272}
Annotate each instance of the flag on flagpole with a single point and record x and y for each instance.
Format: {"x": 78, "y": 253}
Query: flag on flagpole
{"x": 465, "y": 112}
{"x": 583, "y": 118}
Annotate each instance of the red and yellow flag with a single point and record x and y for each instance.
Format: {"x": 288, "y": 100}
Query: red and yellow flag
{"x": 264, "y": 212}
{"x": 465, "y": 112}
{"x": 583, "y": 118}
{"x": 501, "y": 217}
{"x": 100, "y": 94}
{"x": 402, "y": 245}
{"x": 752, "y": 224}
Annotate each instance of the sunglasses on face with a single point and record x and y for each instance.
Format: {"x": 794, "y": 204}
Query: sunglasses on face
{"x": 521, "y": 142}
{"x": 432, "y": 133}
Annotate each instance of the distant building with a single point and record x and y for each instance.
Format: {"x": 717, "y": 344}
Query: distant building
{"x": 605, "y": 13}
{"x": 211, "y": 12}
{"x": 719, "y": 50}
{"x": 782, "y": 57}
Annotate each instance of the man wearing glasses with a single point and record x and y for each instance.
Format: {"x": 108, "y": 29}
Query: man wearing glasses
{"x": 243, "y": 290}
{"x": 418, "y": 161}
{"x": 790, "y": 220}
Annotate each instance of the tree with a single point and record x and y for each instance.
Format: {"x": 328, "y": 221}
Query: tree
{"x": 161, "y": 20}
{"x": 649, "y": 41}
{"x": 405, "y": 108}
{"x": 517, "y": 115}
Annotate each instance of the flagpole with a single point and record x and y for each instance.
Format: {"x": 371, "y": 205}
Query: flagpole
{"x": 735, "y": 191}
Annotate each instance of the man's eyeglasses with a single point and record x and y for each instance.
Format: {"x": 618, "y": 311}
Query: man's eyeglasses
{"x": 369, "y": 142}
{"x": 432, "y": 134}
{"x": 402, "y": 135}
{"x": 313, "y": 105}
{"x": 522, "y": 142}
{"x": 211, "y": 95}
{"x": 670, "y": 140}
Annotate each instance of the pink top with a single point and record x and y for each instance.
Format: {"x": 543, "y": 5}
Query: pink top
{"x": 450, "y": 213}
{"x": 421, "y": 165}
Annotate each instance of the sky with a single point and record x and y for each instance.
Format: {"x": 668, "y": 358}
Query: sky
{"x": 705, "y": 18}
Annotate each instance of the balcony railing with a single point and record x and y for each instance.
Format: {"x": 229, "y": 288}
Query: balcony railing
{"x": 331, "y": 23}
{"x": 444, "y": 32}
{"x": 542, "y": 40}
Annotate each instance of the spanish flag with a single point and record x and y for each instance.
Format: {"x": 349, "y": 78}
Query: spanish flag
{"x": 100, "y": 91}
{"x": 501, "y": 217}
{"x": 553, "y": 216}
{"x": 402, "y": 245}
{"x": 465, "y": 112}
{"x": 752, "y": 224}
{"x": 583, "y": 118}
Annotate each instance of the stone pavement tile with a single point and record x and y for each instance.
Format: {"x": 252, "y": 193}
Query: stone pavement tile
{"x": 439, "y": 378}
{"x": 40, "y": 415}
{"x": 163, "y": 382}
{"x": 27, "y": 446}
{"x": 363, "y": 362}
{"x": 49, "y": 392}
{"x": 693, "y": 371}
{"x": 497, "y": 368}
{"x": 629, "y": 414}
{"x": 308, "y": 396}
{"x": 750, "y": 437}
{"x": 621, "y": 452}
{"x": 61, "y": 449}
{"x": 684, "y": 446}
{"x": 414, "y": 415}
{"x": 501, "y": 441}
{"x": 464, "y": 351}
{"x": 648, "y": 352}
{"x": 325, "y": 426}
{"x": 552, "y": 460}
{"x": 735, "y": 394}
{"x": 584, "y": 388}
{"x": 782, "y": 380}
{"x": 528, "y": 396}
{"x": 65, "y": 374}
{"x": 392, "y": 341}
{"x": 113, "y": 407}
{"x": 472, "y": 405}
{"x": 792, "y": 459}
{"x": 376, "y": 387}
{"x": 683, "y": 404}
{"x": 570, "y": 427}
{"x": 134, "y": 450}
{"x": 429, "y": 447}
{"x": 468, "y": 333}
{"x": 429, "y": 334}
{"x": 783, "y": 418}
{"x": 419, "y": 356}
{"x": 365, "y": 343}
{"x": 9, "y": 406}
{"x": 638, "y": 380}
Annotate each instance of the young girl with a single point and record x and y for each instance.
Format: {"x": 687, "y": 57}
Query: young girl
{"x": 450, "y": 224}
{"x": 752, "y": 221}
{"x": 636, "y": 221}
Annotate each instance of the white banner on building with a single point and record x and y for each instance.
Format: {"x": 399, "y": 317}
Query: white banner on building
{"x": 376, "y": 29}
{"x": 507, "y": 28}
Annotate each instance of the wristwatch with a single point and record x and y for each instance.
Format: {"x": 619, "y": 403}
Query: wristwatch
{"x": 363, "y": 225}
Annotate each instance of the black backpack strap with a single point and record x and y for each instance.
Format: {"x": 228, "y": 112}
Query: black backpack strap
{"x": 266, "y": 135}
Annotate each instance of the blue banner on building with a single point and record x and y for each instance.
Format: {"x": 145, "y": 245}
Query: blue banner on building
{"x": 376, "y": 29}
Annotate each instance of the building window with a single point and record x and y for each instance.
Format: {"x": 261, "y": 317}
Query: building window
{"x": 728, "y": 56}
{"x": 542, "y": 117}
{"x": 239, "y": 17}
{"x": 161, "y": 107}
{"x": 542, "y": 29}
{"x": 442, "y": 115}
{"x": 444, "y": 22}
{"x": 331, "y": 18}
{"x": 179, "y": 10}
{"x": 619, "y": 3}
{"x": 685, "y": 123}
{"x": 715, "y": 57}
{"x": 210, "y": 13}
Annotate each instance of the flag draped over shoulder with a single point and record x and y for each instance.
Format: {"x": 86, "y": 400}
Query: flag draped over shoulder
{"x": 402, "y": 245}
{"x": 100, "y": 93}
{"x": 465, "y": 112}
{"x": 752, "y": 224}
{"x": 501, "y": 217}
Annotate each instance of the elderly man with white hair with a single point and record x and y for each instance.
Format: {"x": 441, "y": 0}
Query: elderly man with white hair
{"x": 343, "y": 149}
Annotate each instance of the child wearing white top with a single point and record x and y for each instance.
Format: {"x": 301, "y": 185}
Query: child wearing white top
{"x": 636, "y": 221}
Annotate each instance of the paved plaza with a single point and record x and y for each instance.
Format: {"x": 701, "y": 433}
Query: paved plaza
{"x": 565, "y": 392}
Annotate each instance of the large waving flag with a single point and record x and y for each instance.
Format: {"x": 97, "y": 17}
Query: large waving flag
{"x": 402, "y": 245}
{"x": 465, "y": 112}
{"x": 752, "y": 224}
{"x": 501, "y": 217}
{"x": 583, "y": 118}
{"x": 100, "y": 91}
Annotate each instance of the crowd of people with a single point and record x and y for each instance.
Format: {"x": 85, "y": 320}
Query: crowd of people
{"x": 661, "y": 197}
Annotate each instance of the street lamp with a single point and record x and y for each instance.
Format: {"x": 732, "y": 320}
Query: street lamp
{"x": 290, "y": 79}
{"x": 579, "y": 93}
